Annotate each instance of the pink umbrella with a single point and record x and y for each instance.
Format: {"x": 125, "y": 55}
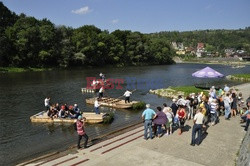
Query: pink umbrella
{"x": 207, "y": 72}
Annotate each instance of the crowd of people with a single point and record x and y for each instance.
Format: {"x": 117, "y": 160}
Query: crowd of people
{"x": 203, "y": 109}
{"x": 61, "y": 111}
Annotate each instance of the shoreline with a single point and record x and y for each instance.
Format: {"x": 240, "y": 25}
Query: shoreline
{"x": 179, "y": 61}
{"x": 73, "y": 148}
{"x": 22, "y": 69}
{"x": 244, "y": 87}
{"x": 217, "y": 63}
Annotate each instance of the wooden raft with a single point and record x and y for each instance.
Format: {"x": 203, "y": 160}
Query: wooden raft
{"x": 112, "y": 102}
{"x": 90, "y": 118}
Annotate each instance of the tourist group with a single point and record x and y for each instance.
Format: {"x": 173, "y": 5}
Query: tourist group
{"x": 204, "y": 109}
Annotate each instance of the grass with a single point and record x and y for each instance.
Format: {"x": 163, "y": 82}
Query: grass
{"x": 19, "y": 69}
{"x": 242, "y": 76}
{"x": 188, "y": 89}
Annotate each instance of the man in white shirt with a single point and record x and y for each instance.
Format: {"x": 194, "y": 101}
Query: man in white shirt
{"x": 96, "y": 106}
{"x": 127, "y": 96}
{"x": 47, "y": 103}
{"x": 198, "y": 121}
{"x": 181, "y": 101}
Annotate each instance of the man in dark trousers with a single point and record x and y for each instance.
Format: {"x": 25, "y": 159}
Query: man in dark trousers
{"x": 198, "y": 122}
{"x": 81, "y": 132}
{"x": 127, "y": 96}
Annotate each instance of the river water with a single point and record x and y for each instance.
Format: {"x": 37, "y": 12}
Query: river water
{"x": 22, "y": 95}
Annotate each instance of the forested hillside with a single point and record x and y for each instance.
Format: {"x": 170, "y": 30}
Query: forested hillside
{"x": 28, "y": 42}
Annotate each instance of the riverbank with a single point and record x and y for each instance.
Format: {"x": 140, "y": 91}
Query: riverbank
{"x": 174, "y": 92}
{"x": 19, "y": 69}
{"x": 230, "y": 61}
{"x": 239, "y": 77}
{"x": 129, "y": 148}
{"x": 127, "y": 145}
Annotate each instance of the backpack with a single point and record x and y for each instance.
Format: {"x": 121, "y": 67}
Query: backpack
{"x": 75, "y": 127}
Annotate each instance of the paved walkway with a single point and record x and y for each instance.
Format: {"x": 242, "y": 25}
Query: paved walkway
{"x": 219, "y": 147}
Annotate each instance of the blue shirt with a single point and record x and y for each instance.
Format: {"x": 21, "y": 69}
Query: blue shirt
{"x": 148, "y": 114}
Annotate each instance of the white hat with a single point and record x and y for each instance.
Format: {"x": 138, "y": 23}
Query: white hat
{"x": 147, "y": 105}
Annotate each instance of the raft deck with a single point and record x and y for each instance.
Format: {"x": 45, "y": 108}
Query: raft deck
{"x": 90, "y": 118}
{"x": 112, "y": 102}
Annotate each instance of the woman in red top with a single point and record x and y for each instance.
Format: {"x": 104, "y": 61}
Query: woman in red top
{"x": 182, "y": 116}
{"x": 81, "y": 132}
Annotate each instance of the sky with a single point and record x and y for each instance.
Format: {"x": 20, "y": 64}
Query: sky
{"x": 145, "y": 16}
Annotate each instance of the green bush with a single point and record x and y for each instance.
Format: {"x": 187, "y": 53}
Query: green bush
{"x": 108, "y": 118}
{"x": 188, "y": 89}
{"x": 139, "y": 105}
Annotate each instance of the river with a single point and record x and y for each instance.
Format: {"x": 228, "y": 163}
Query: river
{"x": 23, "y": 94}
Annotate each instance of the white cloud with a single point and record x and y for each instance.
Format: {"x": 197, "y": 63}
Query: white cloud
{"x": 83, "y": 10}
{"x": 115, "y": 21}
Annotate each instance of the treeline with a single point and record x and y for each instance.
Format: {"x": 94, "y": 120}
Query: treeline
{"x": 214, "y": 40}
{"x": 28, "y": 42}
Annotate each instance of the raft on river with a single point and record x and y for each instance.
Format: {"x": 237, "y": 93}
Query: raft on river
{"x": 90, "y": 118}
{"x": 112, "y": 102}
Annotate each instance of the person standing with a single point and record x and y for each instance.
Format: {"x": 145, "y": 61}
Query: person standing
{"x": 226, "y": 88}
{"x": 101, "y": 92}
{"x": 182, "y": 116}
{"x": 234, "y": 100}
{"x": 227, "y": 105}
{"x": 247, "y": 114}
{"x": 198, "y": 121}
{"x": 47, "y": 103}
{"x": 96, "y": 106}
{"x": 170, "y": 117}
{"x": 213, "y": 111}
{"x": 160, "y": 120}
{"x": 148, "y": 115}
{"x": 174, "y": 107}
{"x": 127, "y": 96}
{"x": 81, "y": 131}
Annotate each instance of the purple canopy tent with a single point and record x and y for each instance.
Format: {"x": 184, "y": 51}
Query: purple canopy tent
{"x": 207, "y": 72}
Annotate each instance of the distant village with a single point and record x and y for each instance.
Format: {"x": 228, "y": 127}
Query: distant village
{"x": 200, "y": 51}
